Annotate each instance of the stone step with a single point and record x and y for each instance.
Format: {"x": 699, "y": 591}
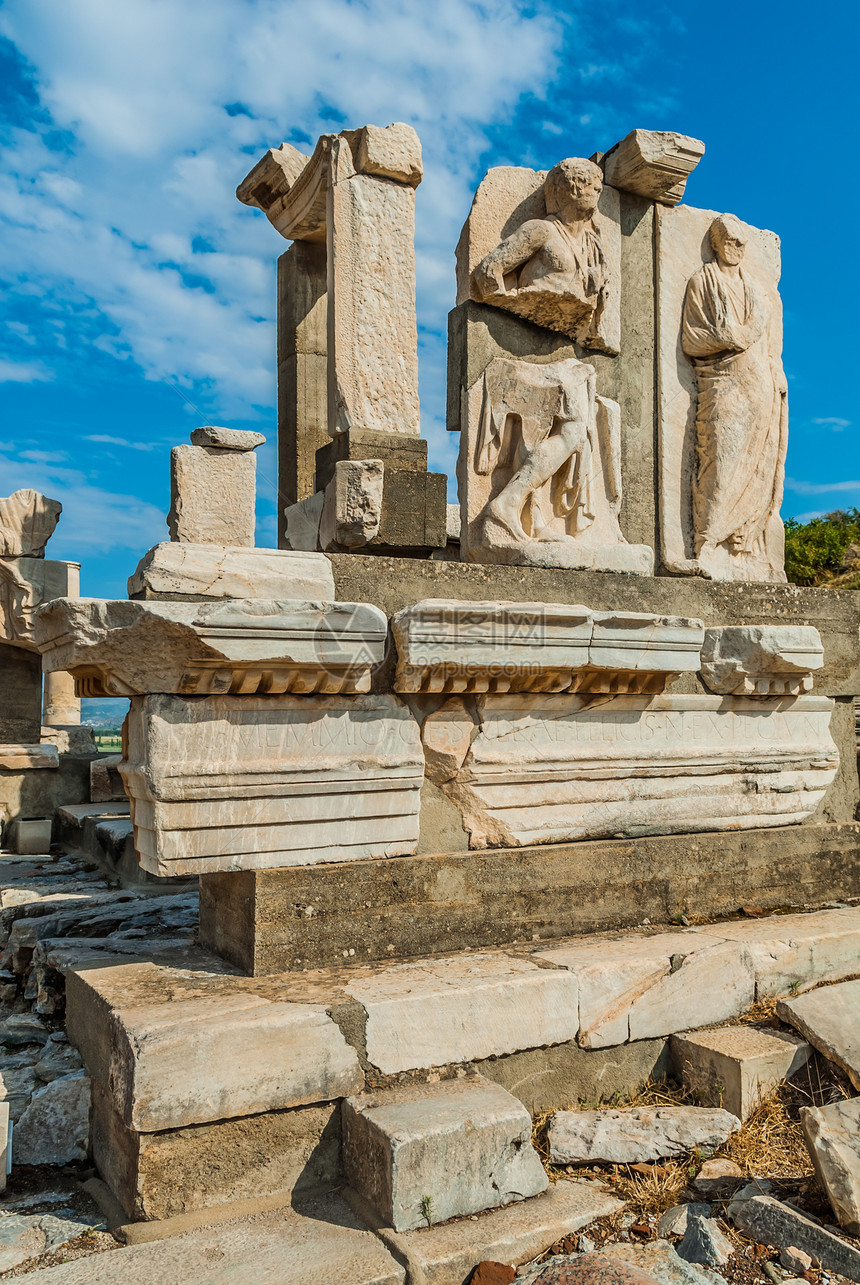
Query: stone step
{"x": 102, "y": 833}
{"x": 322, "y": 1242}
{"x": 830, "y": 1019}
{"x": 176, "y": 1033}
{"x": 422, "y": 1154}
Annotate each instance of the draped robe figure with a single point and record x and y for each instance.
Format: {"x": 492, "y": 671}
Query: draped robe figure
{"x": 741, "y": 420}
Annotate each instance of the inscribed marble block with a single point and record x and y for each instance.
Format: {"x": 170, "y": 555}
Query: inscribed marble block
{"x": 212, "y": 495}
{"x": 251, "y": 782}
{"x": 553, "y": 768}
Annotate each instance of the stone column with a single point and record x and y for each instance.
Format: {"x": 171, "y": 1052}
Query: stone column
{"x": 302, "y": 361}
{"x": 60, "y": 706}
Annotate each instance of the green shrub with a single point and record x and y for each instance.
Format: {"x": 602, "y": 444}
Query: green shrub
{"x": 814, "y": 550}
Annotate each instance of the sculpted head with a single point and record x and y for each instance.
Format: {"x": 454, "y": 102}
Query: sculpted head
{"x": 572, "y": 188}
{"x": 728, "y": 239}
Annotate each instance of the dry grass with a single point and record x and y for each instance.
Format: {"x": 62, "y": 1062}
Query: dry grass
{"x": 770, "y": 1143}
{"x": 652, "y": 1193}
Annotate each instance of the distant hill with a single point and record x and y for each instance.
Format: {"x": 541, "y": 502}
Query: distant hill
{"x": 107, "y": 712}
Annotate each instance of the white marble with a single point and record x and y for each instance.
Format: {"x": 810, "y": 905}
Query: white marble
{"x": 254, "y": 782}
{"x": 761, "y": 660}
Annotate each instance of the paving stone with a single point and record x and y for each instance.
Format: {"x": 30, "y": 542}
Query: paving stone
{"x": 636, "y": 987}
{"x": 464, "y": 1008}
{"x": 319, "y": 1244}
{"x": 769, "y": 1222}
{"x": 425, "y": 1153}
{"x": 735, "y": 1067}
{"x": 663, "y": 1263}
{"x": 830, "y": 1019}
{"x": 27, "y": 1236}
{"x": 633, "y": 1134}
{"x": 446, "y": 1254}
{"x": 704, "y": 1243}
{"x": 587, "y": 1269}
{"x": 55, "y": 1127}
{"x": 832, "y": 1135}
{"x": 493, "y": 1274}
{"x": 674, "y": 1221}
{"x": 803, "y": 949}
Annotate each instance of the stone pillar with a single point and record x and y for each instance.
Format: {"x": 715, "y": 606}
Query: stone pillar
{"x": 302, "y": 395}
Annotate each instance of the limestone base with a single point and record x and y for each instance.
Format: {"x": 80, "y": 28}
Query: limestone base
{"x": 268, "y": 921}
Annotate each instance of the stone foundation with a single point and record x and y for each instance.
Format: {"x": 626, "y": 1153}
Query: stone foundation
{"x": 309, "y": 917}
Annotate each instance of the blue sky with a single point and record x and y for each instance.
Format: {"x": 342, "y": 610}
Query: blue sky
{"x": 138, "y": 295}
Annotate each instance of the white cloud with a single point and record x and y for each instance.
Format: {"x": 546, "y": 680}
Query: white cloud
{"x": 107, "y": 440}
{"x": 23, "y": 372}
{"x": 138, "y": 219}
{"x": 819, "y": 488}
{"x": 834, "y": 422}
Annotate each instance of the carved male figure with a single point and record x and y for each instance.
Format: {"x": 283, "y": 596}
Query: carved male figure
{"x": 741, "y": 416}
{"x": 553, "y": 271}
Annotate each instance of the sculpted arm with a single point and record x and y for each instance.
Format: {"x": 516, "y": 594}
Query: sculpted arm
{"x": 511, "y": 254}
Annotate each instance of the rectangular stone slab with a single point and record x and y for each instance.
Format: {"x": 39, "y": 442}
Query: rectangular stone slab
{"x": 450, "y": 901}
{"x": 830, "y": 1019}
{"x": 641, "y": 986}
{"x": 244, "y": 782}
{"x": 736, "y": 1066}
{"x": 454, "y": 1010}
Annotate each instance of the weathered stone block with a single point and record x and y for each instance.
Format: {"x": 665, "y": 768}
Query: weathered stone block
{"x": 833, "y": 1138}
{"x": 633, "y": 1134}
{"x": 241, "y": 646}
{"x": 212, "y": 495}
{"x": 244, "y": 782}
{"x": 770, "y": 1222}
{"x": 55, "y": 1127}
{"x": 456, "y": 1010}
{"x": 446, "y": 1255}
{"x": 637, "y": 987}
{"x": 761, "y": 660}
{"x": 227, "y": 439}
{"x": 736, "y": 1066}
{"x": 426, "y": 1153}
{"x": 210, "y": 1053}
{"x": 352, "y": 508}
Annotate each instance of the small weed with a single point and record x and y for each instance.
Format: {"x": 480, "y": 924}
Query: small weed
{"x": 427, "y": 1209}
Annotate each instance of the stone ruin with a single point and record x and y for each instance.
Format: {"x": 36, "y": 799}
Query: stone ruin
{"x": 44, "y": 752}
{"x": 432, "y": 768}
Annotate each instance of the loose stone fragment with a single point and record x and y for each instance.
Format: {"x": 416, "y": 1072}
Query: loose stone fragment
{"x": 627, "y": 1136}
{"x": 770, "y": 1222}
{"x": 55, "y": 1128}
{"x": 226, "y": 439}
{"x": 493, "y": 1274}
{"x": 660, "y": 1260}
{"x": 794, "y": 1260}
{"x": 716, "y": 1177}
{"x": 830, "y": 1019}
{"x": 674, "y": 1221}
{"x": 735, "y": 1066}
{"x": 587, "y": 1269}
{"x": 704, "y": 1243}
{"x": 833, "y": 1137}
{"x": 427, "y": 1153}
